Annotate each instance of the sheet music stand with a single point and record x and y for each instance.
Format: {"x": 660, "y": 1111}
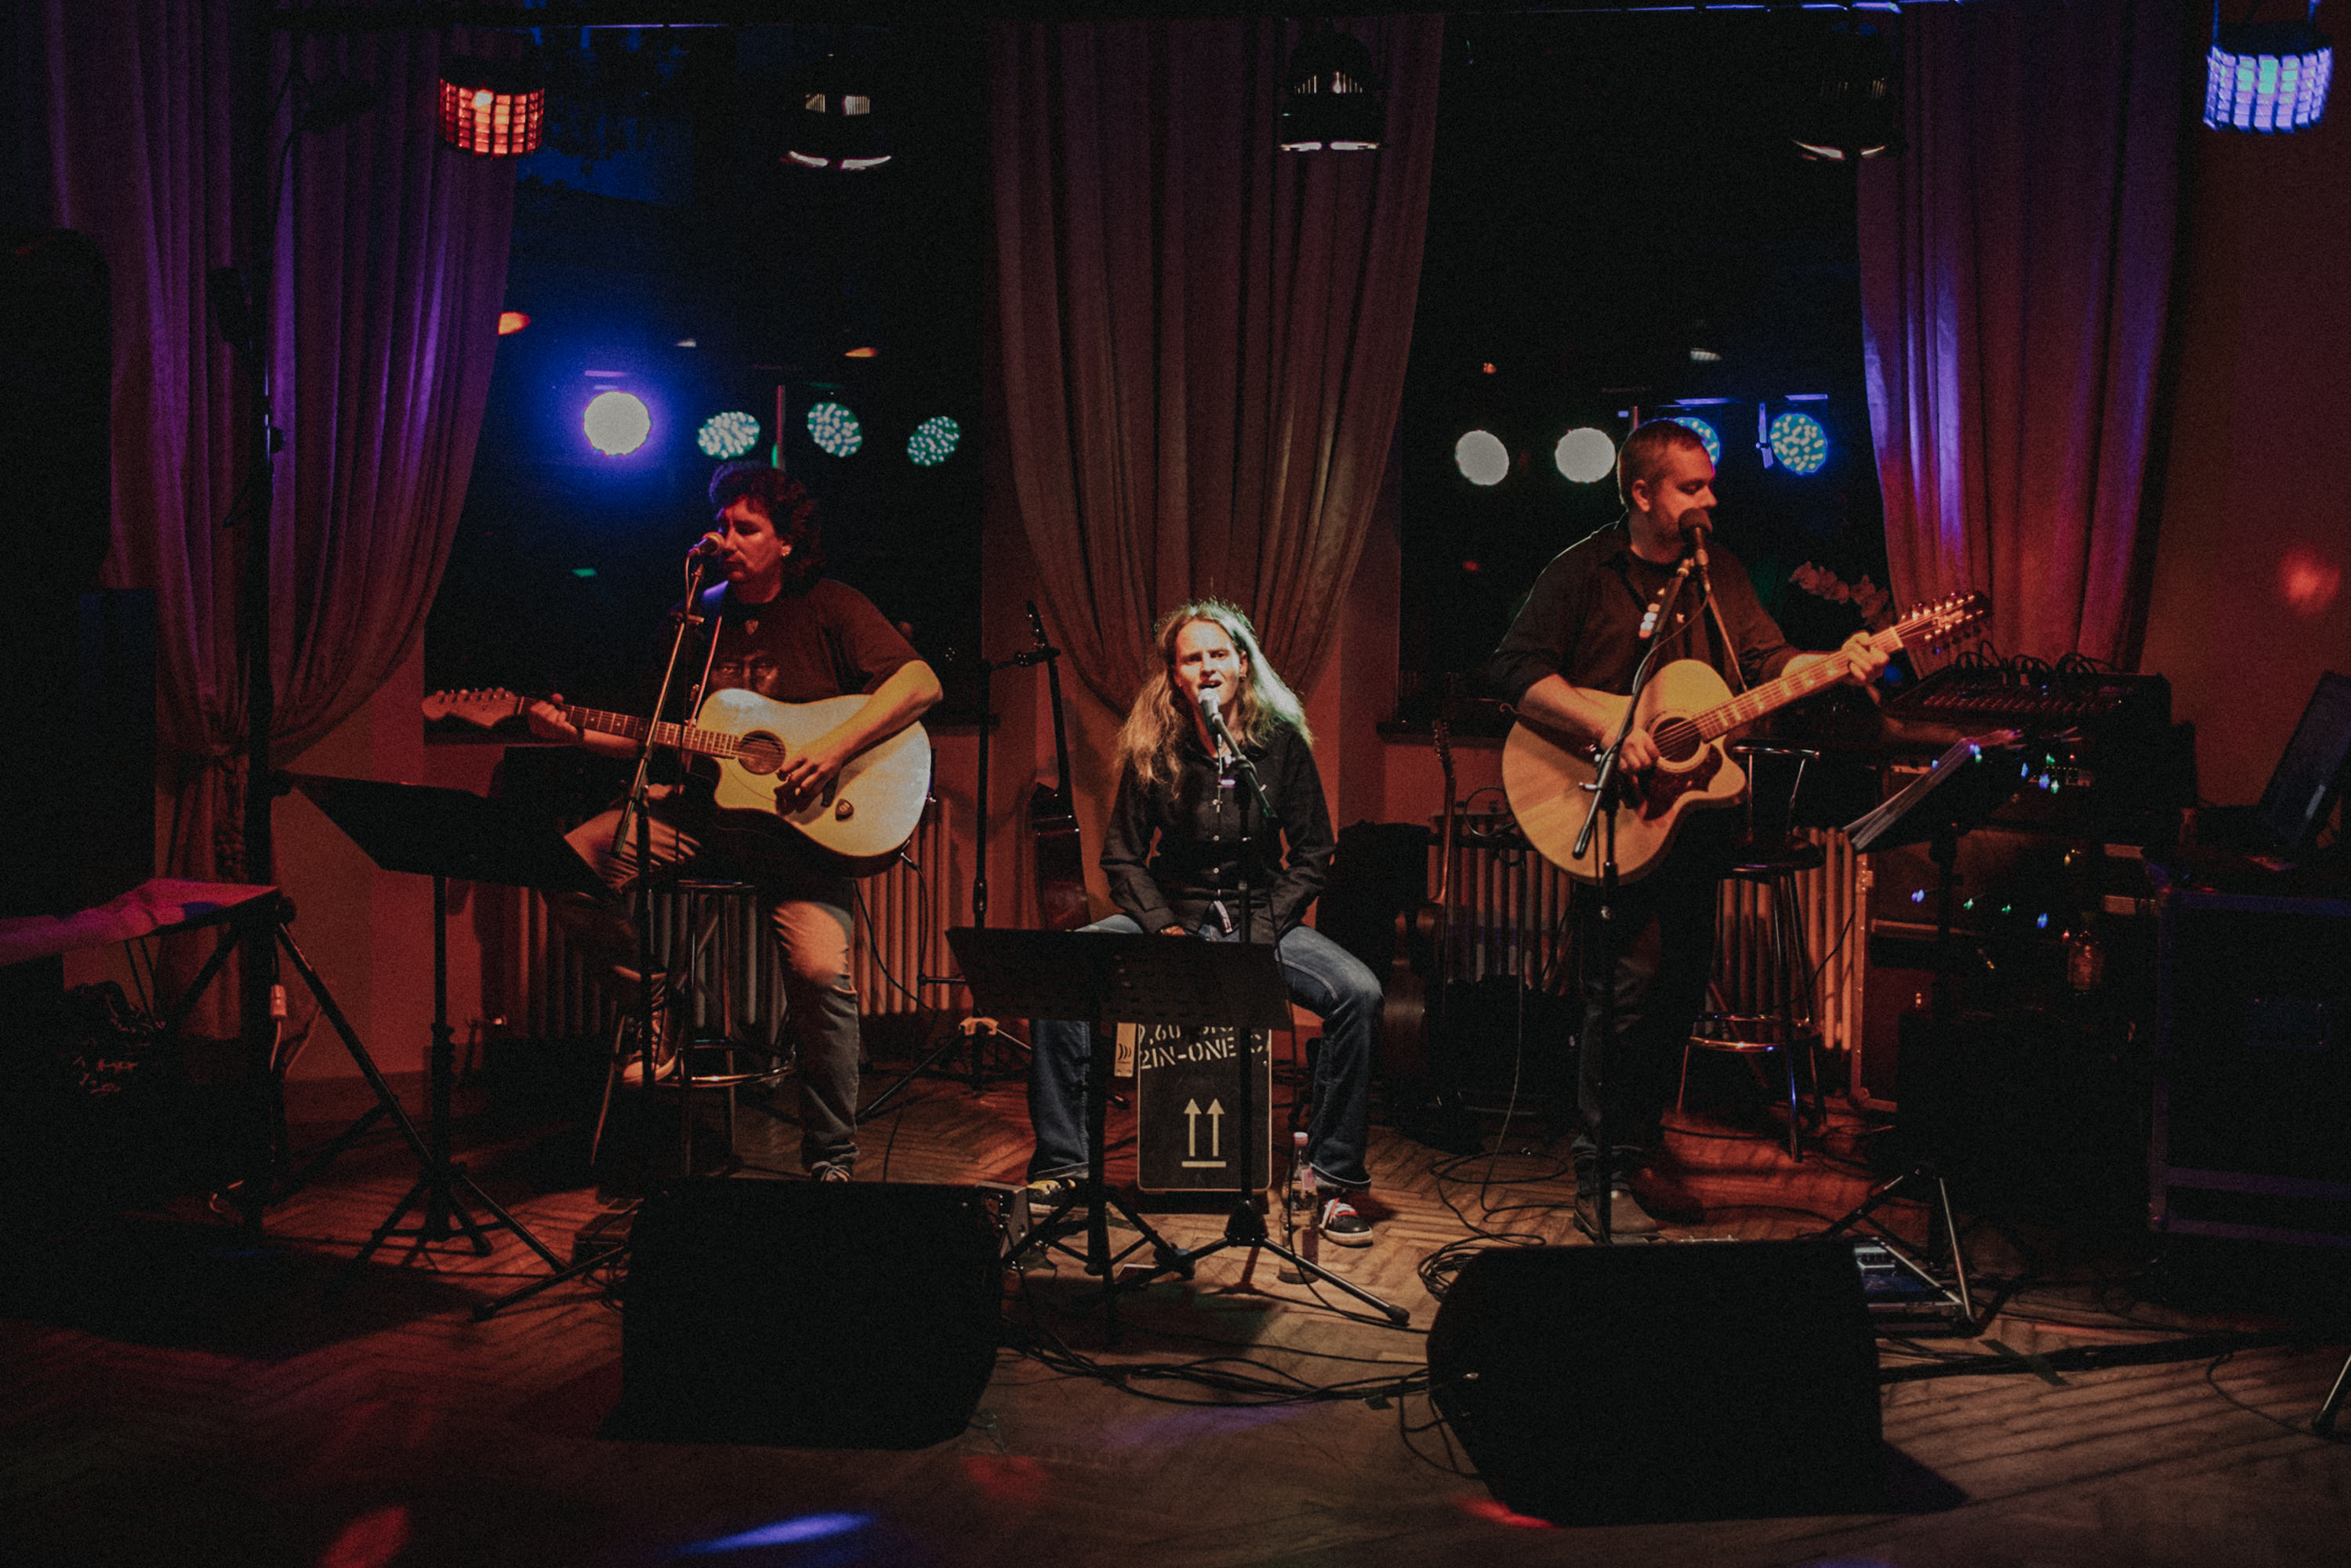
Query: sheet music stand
{"x": 1106, "y": 978}
{"x": 1955, "y": 796}
{"x": 448, "y": 833}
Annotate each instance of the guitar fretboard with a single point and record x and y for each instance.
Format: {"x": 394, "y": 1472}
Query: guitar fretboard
{"x": 630, "y": 726}
{"x": 1751, "y": 705}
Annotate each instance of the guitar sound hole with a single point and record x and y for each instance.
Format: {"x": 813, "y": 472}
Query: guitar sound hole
{"x": 759, "y": 753}
{"x": 1678, "y": 739}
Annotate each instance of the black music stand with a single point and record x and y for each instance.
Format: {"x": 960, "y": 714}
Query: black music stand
{"x": 1955, "y": 796}
{"x": 444, "y": 834}
{"x": 1106, "y": 978}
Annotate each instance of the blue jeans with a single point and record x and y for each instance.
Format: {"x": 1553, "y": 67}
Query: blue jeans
{"x": 1324, "y": 978}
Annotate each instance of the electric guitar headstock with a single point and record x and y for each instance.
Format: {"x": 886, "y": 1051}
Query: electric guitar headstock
{"x": 484, "y": 707}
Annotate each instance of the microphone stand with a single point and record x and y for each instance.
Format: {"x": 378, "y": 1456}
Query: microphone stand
{"x": 636, "y": 816}
{"x": 1245, "y": 1226}
{"x": 1603, "y": 816}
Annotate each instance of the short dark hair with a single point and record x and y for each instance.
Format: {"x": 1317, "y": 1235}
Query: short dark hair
{"x": 1643, "y": 456}
{"x": 789, "y": 508}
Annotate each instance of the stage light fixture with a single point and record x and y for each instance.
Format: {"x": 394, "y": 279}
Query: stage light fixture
{"x": 1852, "y": 108}
{"x": 1799, "y": 442}
{"x": 1334, "y": 98}
{"x": 616, "y": 423}
{"x": 1585, "y": 455}
{"x": 2267, "y": 77}
{"x": 933, "y": 442}
{"x": 835, "y": 126}
{"x": 727, "y": 434}
{"x": 493, "y": 108}
{"x": 863, "y": 351}
{"x": 834, "y": 429}
{"x": 1706, "y": 432}
{"x": 512, "y": 321}
{"x": 1481, "y": 457}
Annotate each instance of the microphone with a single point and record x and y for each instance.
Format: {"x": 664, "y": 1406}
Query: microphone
{"x": 1698, "y": 527}
{"x": 705, "y": 548}
{"x": 1212, "y": 711}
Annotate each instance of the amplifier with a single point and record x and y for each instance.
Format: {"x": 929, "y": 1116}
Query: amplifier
{"x": 2253, "y": 1069}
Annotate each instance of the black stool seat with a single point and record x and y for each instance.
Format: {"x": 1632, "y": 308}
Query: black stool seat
{"x": 1760, "y": 860}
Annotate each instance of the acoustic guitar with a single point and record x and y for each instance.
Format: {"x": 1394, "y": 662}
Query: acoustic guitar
{"x": 1053, "y": 813}
{"x": 1422, "y": 957}
{"x": 1688, "y": 710}
{"x": 859, "y": 823}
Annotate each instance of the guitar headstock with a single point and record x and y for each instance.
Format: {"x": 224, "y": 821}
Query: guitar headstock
{"x": 484, "y": 707}
{"x": 1443, "y": 733}
{"x": 1929, "y": 624}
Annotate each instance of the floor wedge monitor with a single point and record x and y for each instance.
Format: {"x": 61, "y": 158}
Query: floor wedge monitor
{"x": 1654, "y": 1383}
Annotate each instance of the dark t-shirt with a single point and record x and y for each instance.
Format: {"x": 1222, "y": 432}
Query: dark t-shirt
{"x": 1582, "y": 618}
{"x": 823, "y": 639}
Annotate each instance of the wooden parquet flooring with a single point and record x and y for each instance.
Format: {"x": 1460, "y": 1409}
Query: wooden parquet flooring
{"x": 172, "y": 1391}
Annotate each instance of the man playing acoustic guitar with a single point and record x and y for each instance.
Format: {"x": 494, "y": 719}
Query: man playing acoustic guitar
{"x": 1577, "y": 641}
{"x": 788, "y": 633}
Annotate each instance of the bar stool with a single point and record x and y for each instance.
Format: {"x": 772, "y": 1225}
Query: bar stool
{"x": 1770, "y": 1009}
{"x": 708, "y": 1057}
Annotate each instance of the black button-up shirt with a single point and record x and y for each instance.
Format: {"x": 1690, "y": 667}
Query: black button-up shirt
{"x": 1582, "y": 618}
{"x": 1174, "y": 848}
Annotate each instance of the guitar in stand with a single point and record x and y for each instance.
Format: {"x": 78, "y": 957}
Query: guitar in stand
{"x": 1053, "y": 813}
{"x": 859, "y": 824}
{"x": 1423, "y": 1089}
{"x": 1688, "y": 712}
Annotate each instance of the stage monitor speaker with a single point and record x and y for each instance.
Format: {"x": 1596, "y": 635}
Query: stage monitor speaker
{"x": 809, "y": 1314}
{"x": 1651, "y": 1383}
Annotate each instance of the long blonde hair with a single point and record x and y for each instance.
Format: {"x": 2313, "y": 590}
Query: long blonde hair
{"x": 1155, "y": 726}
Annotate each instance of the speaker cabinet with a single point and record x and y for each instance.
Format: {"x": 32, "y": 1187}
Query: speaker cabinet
{"x": 2253, "y": 1068}
{"x": 809, "y": 1314}
{"x": 1630, "y": 1383}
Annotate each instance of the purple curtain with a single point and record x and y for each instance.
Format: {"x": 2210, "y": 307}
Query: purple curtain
{"x": 1203, "y": 338}
{"x": 2015, "y": 269}
{"x": 390, "y": 267}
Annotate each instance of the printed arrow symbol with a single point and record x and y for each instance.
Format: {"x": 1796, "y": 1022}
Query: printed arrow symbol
{"x": 1216, "y": 1129}
{"x": 1192, "y": 1129}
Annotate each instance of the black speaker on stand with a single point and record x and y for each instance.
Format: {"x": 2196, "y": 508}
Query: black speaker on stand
{"x": 1627, "y": 1385}
{"x": 808, "y": 1315}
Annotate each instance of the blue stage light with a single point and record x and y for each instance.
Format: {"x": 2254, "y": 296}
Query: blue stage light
{"x": 834, "y": 429}
{"x": 933, "y": 442}
{"x": 1481, "y": 457}
{"x": 782, "y": 1532}
{"x": 729, "y": 434}
{"x": 1798, "y": 443}
{"x": 616, "y": 423}
{"x": 1704, "y": 431}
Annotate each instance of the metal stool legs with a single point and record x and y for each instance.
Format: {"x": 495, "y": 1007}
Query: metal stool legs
{"x": 1787, "y": 1027}
{"x": 712, "y": 1058}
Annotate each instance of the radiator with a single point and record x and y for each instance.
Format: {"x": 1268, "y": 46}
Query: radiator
{"x": 534, "y": 984}
{"x": 1510, "y": 909}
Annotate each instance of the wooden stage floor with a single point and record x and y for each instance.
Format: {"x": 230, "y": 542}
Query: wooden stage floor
{"x": 173, "y": 1392}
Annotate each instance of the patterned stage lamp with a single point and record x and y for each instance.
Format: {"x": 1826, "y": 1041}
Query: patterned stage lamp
{"x": 2267, "y": 77}
{"x": 493, "y": 108}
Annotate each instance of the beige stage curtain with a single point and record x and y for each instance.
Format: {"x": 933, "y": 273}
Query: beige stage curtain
{"x": 1203, "y": 338}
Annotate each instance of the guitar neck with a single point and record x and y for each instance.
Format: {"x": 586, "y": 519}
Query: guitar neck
{"x": 1773, "y": 696}
{"x": 678, "y": 737}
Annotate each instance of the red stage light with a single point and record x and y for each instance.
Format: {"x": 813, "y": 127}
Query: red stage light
{"x": 2308, "y": 581}
{"x": 511, "y": 321}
